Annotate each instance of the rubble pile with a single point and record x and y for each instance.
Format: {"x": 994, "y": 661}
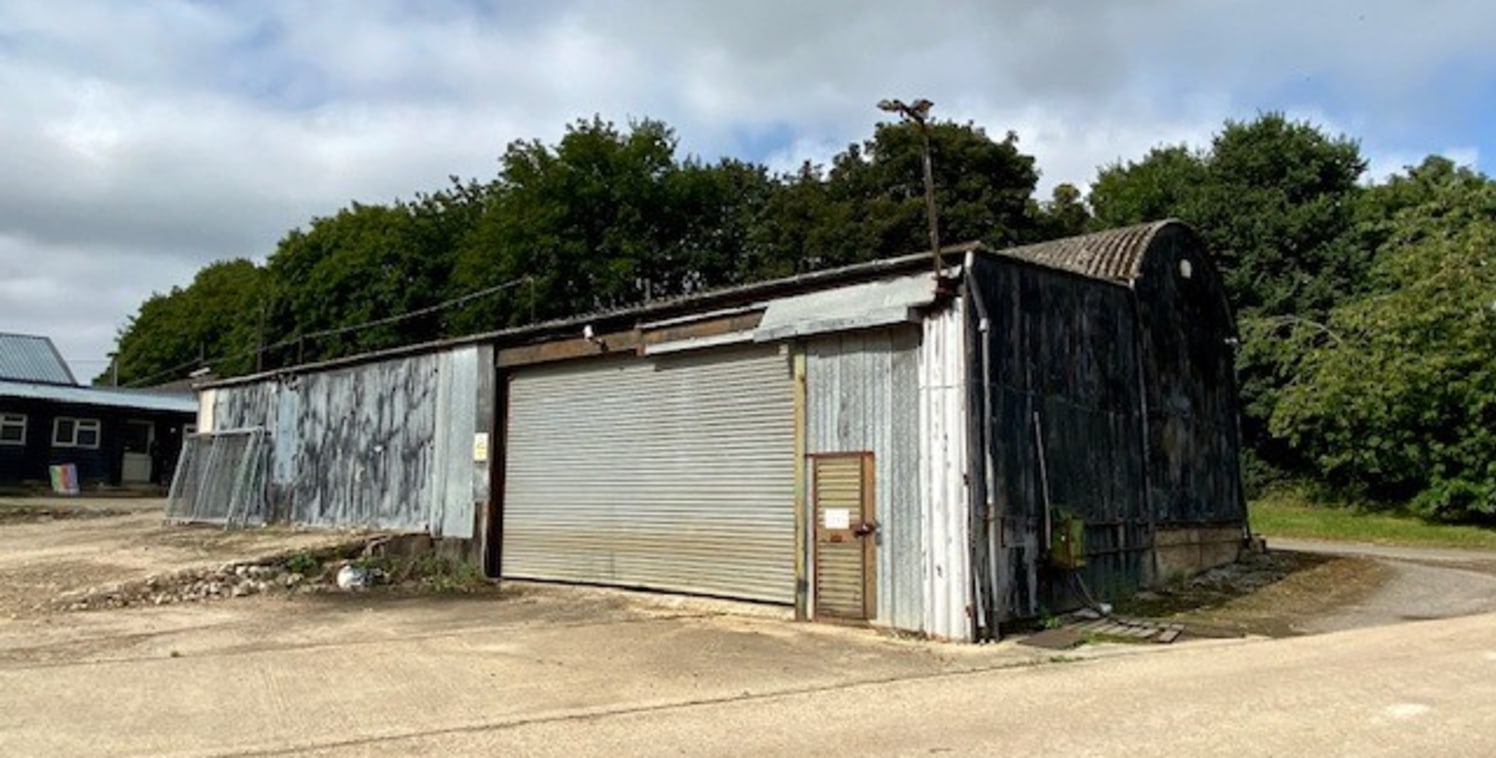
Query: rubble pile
{"x": 195, "y": 586}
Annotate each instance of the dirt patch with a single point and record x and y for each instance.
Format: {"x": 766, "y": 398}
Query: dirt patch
{"x": 1274, "y": 594}
{"x": 36, "y": 514}
{"x": 356, "y": 564}
{"x": 103, "y": 548}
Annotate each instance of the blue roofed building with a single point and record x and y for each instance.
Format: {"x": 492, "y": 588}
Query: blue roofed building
{"x": 112, "y": 436}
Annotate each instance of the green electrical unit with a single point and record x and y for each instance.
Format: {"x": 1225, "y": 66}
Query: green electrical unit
{"x": 1067, "y": 549}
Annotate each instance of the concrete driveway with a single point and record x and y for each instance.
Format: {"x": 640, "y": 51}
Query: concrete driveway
{"x": 270, "y": 673}
{"x": 1422, "y": 583}
{"x": 555, "y": 671}
{"x": 549, "y": 670}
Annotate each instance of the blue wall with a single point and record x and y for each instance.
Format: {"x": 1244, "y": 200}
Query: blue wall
{"x": 95, "y": 466}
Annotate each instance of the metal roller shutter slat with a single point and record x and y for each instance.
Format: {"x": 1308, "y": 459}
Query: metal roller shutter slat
{"x": 673, "y": 473}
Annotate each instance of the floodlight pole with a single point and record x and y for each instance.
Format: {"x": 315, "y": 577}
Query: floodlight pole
{"x": 919, "y": 113}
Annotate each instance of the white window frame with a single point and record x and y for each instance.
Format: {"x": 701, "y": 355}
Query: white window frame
{"x": 13, "y": 420}
{"x": 78, "y": 425}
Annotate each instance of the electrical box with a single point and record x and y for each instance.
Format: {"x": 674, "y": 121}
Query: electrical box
{"x": 1067, "y": 549}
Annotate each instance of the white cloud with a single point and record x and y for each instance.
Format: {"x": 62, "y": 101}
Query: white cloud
{"x": 142, "y": 140}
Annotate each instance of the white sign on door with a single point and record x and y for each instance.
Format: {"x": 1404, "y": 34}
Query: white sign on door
{"x": 836, "y": 518}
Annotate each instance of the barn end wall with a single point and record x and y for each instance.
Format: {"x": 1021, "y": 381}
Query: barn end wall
{"x": 386, "y": 445}
{"x": 1063, "y": 395}
{"x": 1194, "y": 469}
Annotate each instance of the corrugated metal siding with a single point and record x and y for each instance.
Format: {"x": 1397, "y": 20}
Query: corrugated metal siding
{"x": 207, "y": 402}
{"x": 28, "y": 358}
{"x": 455, "y": 425}
{"x": 385, "y": 445}
{"x": 674, "y": 473}
{"x": 862, "y": 393}
{"x": 944, "y": 493}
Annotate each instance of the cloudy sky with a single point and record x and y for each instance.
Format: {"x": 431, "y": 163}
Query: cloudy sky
{"x": 139, "y": 140}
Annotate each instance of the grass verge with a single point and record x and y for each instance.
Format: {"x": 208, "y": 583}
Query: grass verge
{"x": 1291, "y": 513}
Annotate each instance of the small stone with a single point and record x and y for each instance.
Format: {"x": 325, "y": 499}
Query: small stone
{"x": 240, "y": 590}
{"x": 241, "y": 571}
{"x": 293, "y": 579}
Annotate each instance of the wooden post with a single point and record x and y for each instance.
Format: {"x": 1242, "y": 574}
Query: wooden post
{"x": 802, "y": 544}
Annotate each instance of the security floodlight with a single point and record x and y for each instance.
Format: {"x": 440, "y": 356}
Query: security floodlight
{"x": 919, "y": 113}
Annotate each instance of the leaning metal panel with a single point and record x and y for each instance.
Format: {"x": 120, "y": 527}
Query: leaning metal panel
{"x": 222, "y": 478}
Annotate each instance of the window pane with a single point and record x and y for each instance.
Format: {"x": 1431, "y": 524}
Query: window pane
{"x": 12, "y": 432}
{"x": 137, "y": 437}
{"x": 88, "y": 436}
{"x": 64, "y": 434}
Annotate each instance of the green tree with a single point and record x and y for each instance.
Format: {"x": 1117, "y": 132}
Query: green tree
{"x": 1276, "y": 202}
{"x": 1274, "y": 198}
{"x": 1064, "y": 215}
{"x": 589, "y": 221}
{"x": 608, "y": 217}
{"x": 363, "y": 264}
{"x": 875, "y": 193}
{"x": 214, "y": 322}
{"x": 1396, "y": 395}
{"x": 1165, "y": 183}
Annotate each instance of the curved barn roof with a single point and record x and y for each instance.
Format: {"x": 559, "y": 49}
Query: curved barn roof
{"x": 1114, "y": 255}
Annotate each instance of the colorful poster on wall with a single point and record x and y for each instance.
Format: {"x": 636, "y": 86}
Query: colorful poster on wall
{"x": 64, "y": 479}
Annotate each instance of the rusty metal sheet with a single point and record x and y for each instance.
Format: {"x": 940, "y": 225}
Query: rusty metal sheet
{"x": 620, "y": 342}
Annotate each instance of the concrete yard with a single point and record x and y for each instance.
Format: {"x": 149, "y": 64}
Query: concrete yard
{"x": 537, "y": 669}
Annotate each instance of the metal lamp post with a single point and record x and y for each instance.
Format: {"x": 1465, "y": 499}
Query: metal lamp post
{"x": 919, "y": 112}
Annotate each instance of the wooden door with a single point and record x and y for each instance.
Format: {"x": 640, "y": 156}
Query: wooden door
{"x": 845, "y": 536}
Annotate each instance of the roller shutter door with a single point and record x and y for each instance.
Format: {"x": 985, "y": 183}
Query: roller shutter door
{"x": 672, "y": 472}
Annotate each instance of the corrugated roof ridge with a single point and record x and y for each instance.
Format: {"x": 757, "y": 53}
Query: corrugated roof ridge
{"x": 1112, "y": 254}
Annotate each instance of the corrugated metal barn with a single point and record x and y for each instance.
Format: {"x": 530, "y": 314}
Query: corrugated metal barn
{"x": 938, "y": 454}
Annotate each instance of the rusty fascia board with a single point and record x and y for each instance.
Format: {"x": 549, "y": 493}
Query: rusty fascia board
{"x": 576, "y": 347}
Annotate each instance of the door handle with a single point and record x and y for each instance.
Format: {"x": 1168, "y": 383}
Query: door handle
{"x": 865, "y": 528}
